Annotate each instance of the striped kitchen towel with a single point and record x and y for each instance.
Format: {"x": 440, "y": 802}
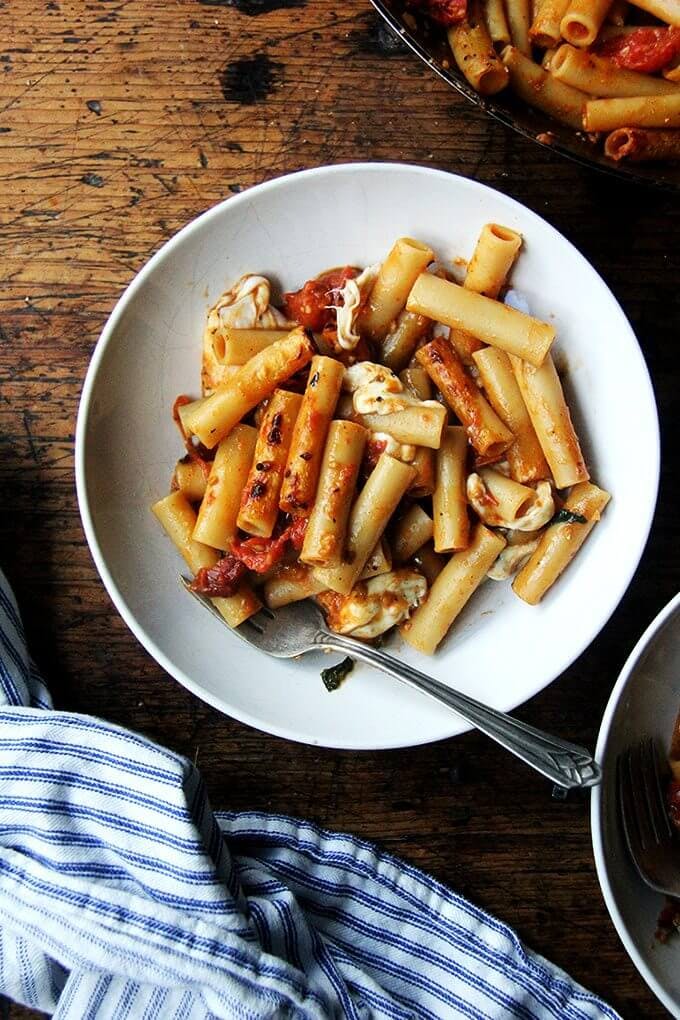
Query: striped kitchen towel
{"x": 122, "y": 895}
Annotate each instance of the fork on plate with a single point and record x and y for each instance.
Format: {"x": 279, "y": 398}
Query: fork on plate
{"x": 646, "y": 824}
{"x": 300, "y": 627}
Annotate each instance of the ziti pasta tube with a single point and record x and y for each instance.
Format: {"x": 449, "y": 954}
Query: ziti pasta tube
{"x": 485, "y": 430}
{"x": 418, "y": 425}
{"x": 404, "y": 263}
{"x": 238, "y": 607}
{"x": 543, "y": 396}
{"x": 561, "y": 541}
{"x": 465, "y": 345}
{"x": 260, "y": 499}
{"x": 519, "y": 19}
{"x": 493, "y": 322}
{"x": 545, "y": 28}
{"x": 582, "y": 21}
{"x": 183, "y": 413}
{"x": 451, "y": 524}
{"x": 325, "y": 535}
{"x": 292, "y": 582}
{"x": 178, "y": 519}
{"x": 667, "y": 10}
{"x": 429, "y": 563}
{"x": 237, "y": 346}
{"x": 423, "y": 480}
{"x": 538, "y": 88}
{"x": 400, "y": 343}
{"x": 213, "y": 418}
{"x": 369, "y": 516}
{"x": 216, "y": 522}
{"x": 191, "y": 477}
{"x": 599, "y": 76}
{"x": 411, "y": 531}
{"x": 417, "y": 382}
{"x": 378, "y": 562}
{"x": 309, "y": 435}
{"x": 492, "y": 259}
{"x": 504, "y": 498}
{"x": 639, "y": 144}
{"x": 474, "y": 54}
{"x": 496, "y": 21}
{"x": 524, "y": 455}
{"x": 459, "y": 579}
{"x": 641, "y": 111}
{"x": 213, "y": 373}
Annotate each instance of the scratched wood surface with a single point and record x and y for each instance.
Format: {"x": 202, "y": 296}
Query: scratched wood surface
{"x": 120, "y": 120}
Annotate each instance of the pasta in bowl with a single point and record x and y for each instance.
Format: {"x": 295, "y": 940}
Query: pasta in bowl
{"x": 354, "y": 454}
{"x": 302, "y": 494}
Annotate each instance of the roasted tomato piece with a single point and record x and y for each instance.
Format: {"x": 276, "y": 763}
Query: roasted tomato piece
{"x": 261, "y": 554}
{"x": 222, "y": 580}
{"x": 646, "y": 49}
{"x": 296, "y": 532}
{"x": 313, "y": 305}
{"x": 444, "y": 12}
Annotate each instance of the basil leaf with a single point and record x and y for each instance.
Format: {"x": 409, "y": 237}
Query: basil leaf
{"x": 565, "y": 516}
{"x": 334, "y": 675}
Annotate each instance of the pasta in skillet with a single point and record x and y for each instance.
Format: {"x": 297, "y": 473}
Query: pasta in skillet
{"x": 383, "y": 442}
{"x": 608, "y": 67}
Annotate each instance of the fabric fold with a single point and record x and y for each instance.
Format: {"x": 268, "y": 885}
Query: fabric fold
{"x": 123, "y": 895}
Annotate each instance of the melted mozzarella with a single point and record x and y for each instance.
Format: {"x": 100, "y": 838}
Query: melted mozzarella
{"x": 402, "y": 451}
{"x": 512, "y": 559}
{"x": 539, "y": 513}
{"x": 246, "y": 306}
{"x": 376, "y": 389}
{"x": 352, "y": 297}
{"x": 378, "y": 604}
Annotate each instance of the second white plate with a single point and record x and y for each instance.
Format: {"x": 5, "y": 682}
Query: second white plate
{"x": 644, "y": 703}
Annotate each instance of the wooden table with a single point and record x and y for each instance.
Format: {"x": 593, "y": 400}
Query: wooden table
{"x": 120, "y": 120}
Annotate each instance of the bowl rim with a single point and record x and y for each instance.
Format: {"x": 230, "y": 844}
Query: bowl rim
{"x": 108, "y": 333}
{"x": 596, "y": 814}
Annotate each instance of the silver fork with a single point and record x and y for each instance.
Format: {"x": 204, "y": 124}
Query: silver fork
{"x": 646, "y": 825}
{"x": 300, "y": 627}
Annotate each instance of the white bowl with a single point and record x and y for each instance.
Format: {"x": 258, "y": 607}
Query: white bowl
{"x": 644, "y": 702}
{"x": 501, "y": 650}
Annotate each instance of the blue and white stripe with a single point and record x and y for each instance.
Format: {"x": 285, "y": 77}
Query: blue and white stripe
{"x": 123, "y": 896}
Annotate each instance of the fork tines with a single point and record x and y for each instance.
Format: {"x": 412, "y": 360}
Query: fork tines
{"x": 641, "y": 798}
{"x": 260, "y": 620}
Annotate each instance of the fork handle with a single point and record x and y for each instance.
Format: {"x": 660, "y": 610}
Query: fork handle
{"x": 566, "y": 764}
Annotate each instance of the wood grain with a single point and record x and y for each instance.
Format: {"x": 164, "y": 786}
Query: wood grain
{"x": 120, "y": 120}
